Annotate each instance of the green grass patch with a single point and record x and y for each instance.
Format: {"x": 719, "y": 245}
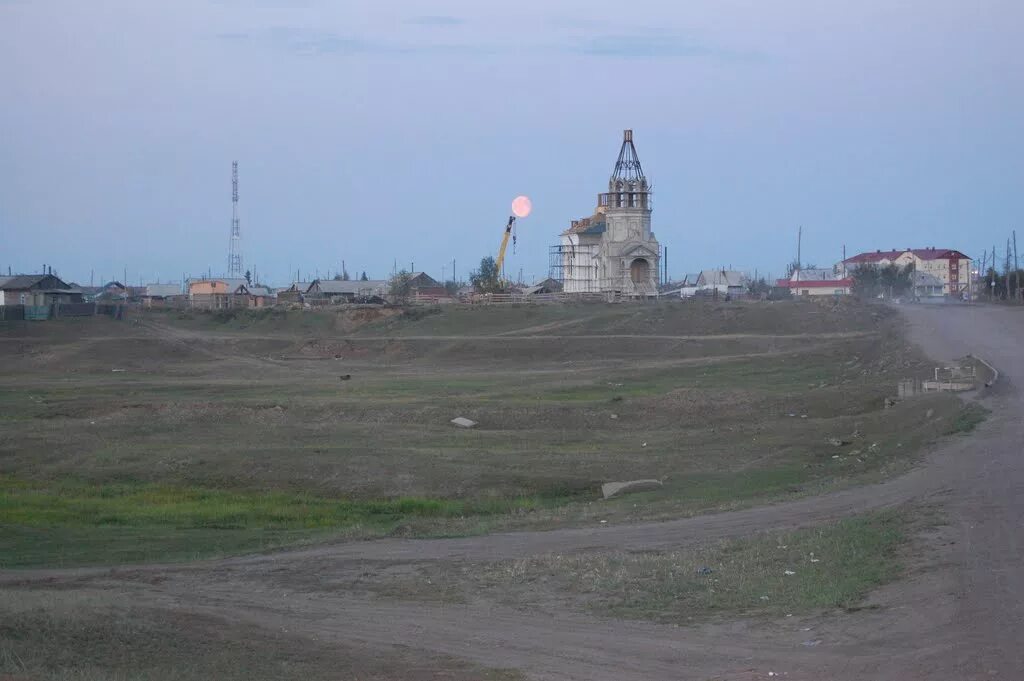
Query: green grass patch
{"x": 73, "y": 523}
{"x": 970, "y": 417}
{"x": 832, "y": 566}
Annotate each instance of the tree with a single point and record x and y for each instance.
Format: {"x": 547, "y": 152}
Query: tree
{"x": 890, "y": 281}
{"x": 400, "y": 287}
{"x": 758, "y": 287}
{"x": 364, "y": 277}
{"x": 487, "y": 278}
{"x": 865, "y": 281}
{"x": 248, "y": 277}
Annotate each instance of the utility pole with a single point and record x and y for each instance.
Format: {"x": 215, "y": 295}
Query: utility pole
{"x": 799, "y": 244}
{"x": 995, "y": 272}
{"x": 1016, "y": 269}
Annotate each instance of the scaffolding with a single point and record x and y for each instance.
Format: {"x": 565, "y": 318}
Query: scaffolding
{"x": 577, "y": 268}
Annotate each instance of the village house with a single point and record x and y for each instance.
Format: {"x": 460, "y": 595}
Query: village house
{"x": 723, "y": 282}
{"x": 817, "y": 282}
{"x": 294, "y": 293}
{"x": 949, "y": 266}
{"x": 162, "y": 295}
{"x": 927, "y": 285}
{"x": 339, "y": 291}
{"x": 422, "y": 284}
{"x": 247, "y": 295}
{"x": 212, "y": 294}
{"x": 37, "y": 290}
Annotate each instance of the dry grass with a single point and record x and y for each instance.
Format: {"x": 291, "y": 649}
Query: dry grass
{"x": 220, "y": 408}
{"x": 821, "y": 568}
{"x": 76, "y": 636}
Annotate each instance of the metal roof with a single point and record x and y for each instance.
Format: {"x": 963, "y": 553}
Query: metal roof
{"x": 353, "y": 287}
{"x": 922, "y": 253}
{"x": 27, "y": 281}
{"x": 722, "y": 278}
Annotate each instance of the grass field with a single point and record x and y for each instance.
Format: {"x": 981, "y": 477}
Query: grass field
{"x": 780, "y": 573}
{"x": 180, "y": 436}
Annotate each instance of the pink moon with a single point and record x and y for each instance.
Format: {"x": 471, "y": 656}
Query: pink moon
{"x": 522, "y": 206}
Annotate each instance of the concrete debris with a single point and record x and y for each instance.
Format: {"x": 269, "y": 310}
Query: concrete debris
{"x": 836, "y": 442}
{"x": 462, "y": 422}
{"x": 615, "y": 489}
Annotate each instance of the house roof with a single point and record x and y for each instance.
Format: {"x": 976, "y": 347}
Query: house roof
{"x": 230, "y": 282}
{"x": 353, "y": 287}
{"x": 922, "y": 253}
{"x": 690, "y": 279}
{"x": 817, "y": 273}
{"x": 300, "y": 286}
{"x": 422, "y": 279}
{"x": 926, "y": 279}
{"x": 26, "y": 281}
{"x": 591, "y": 225}
{"x": 722, "y": 278}
{"x": 163, "y": 290}
{"x": 252, "y": 290}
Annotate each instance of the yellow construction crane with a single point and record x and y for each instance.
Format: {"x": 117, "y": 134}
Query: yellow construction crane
{"x": 500, "y": 262}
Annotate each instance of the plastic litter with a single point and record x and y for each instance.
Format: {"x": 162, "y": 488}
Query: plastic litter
{"x": 704, "y": 571}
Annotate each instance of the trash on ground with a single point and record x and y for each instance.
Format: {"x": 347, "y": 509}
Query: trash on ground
{"x": 614, "y": 489}
{"x": 789, "y": 572}
{"x": 704, "y": 571}
{"x": 463, "y": 422}
{"x": 811, "y": 643}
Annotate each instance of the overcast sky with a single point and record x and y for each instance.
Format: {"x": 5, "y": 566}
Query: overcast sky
{"x": 401, "y": 130}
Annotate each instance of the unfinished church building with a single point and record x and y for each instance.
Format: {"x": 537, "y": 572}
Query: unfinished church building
{"x": 614, "y": 250}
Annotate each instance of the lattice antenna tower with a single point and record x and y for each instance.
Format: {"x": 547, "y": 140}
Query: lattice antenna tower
{"x": 235, "y": 244}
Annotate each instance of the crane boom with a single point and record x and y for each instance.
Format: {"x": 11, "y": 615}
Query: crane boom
{"x": 504, "y": 244}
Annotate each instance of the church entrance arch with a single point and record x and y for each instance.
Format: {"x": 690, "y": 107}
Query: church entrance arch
{"x": 640, "y": 271}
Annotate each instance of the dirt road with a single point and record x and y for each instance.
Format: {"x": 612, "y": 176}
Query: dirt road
{"x": 961, "y": 618}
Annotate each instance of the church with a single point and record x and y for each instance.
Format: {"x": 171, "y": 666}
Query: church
{"x": 613, "y": 250}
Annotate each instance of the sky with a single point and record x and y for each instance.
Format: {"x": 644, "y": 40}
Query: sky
{"x": 396, "y": 133}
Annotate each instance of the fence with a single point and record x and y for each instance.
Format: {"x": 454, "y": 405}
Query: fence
{"x": 12, "y": 312}
{"x": 545, "y": 298}
{"x": 39, "y": 313}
